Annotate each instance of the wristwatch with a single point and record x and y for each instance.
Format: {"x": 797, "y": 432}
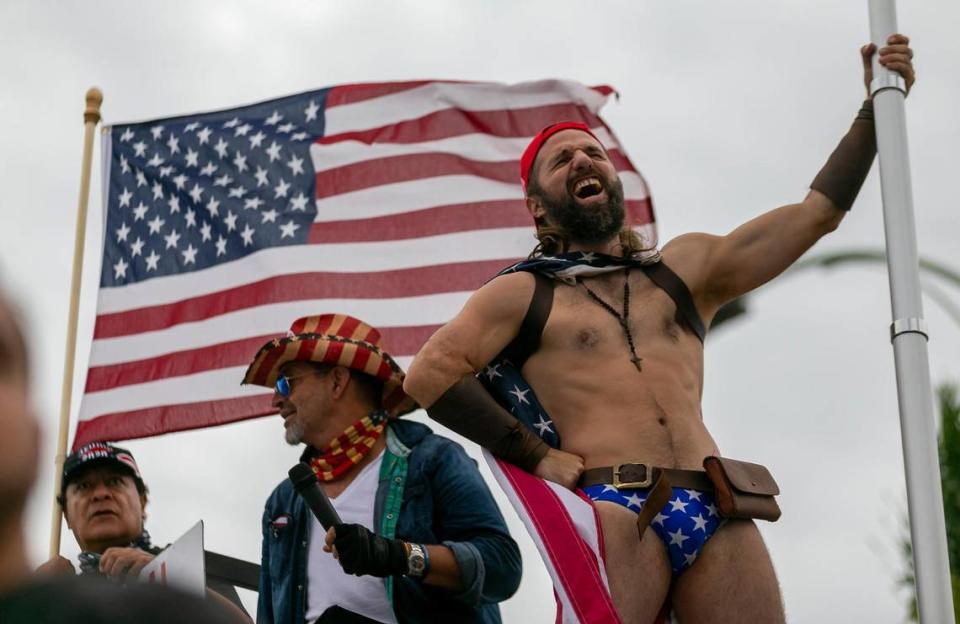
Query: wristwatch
{"x": 418, "y": 560}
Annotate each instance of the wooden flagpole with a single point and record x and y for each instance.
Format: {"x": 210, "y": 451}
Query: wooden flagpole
{"x": 91, "y": 117}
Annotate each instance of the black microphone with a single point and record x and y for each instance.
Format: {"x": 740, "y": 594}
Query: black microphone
{"x": 305, "y": 483}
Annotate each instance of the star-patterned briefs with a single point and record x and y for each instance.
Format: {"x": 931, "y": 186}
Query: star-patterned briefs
{"x": 684, "y": 524}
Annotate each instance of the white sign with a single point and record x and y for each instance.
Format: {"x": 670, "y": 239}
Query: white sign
{"x": 181, "y": 565}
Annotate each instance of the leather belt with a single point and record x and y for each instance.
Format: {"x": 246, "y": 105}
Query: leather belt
{"x": 637, "y": 475}
{"x": 660, "y": 482}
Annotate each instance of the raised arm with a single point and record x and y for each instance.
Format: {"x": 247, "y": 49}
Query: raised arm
{"x": 721, "y": 268}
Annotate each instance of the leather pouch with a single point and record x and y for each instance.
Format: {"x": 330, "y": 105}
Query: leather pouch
{"x": 743, "y": 490}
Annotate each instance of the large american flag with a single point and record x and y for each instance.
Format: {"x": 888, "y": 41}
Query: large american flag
{"x": 390, "y": 202}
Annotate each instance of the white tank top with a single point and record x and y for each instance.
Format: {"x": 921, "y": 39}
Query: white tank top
{"x": 327, "y": 583}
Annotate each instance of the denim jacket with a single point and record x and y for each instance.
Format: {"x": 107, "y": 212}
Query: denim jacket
{"x": 430, "y": 492}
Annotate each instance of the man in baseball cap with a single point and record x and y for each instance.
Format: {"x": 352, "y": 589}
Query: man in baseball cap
{"x": 65, "y": 599}
{"x": 104, "y": 501}
{"x": 420, "y": 538}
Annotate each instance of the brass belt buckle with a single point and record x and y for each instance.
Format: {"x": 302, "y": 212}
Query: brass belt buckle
{"x": 646, "y": 482}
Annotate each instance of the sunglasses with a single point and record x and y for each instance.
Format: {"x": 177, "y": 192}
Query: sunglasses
{"x": 282, "y": 385}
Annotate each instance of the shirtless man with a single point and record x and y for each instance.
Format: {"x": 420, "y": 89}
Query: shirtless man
{"x": 623, "y": 383}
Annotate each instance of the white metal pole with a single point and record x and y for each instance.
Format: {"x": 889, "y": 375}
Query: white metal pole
{"x": 908, "y": 333}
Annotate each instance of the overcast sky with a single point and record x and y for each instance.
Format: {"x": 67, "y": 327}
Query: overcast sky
{"x": 727, "y": 109}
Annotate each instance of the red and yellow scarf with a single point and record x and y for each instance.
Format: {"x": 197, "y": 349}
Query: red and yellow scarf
{"x": 349, "y": 448}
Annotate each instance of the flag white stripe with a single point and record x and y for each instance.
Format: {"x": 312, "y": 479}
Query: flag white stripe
{"x": 212, "y": 385}
{"x": 584, "y": 518}
{"x": 365, "y": 257}
{"x": 437, "y": 96}
{"x": 274, "y": 319}
{"x": 479, "y": 147}
{"x": 402, "y": 197}
{"x": 566, "y": 608}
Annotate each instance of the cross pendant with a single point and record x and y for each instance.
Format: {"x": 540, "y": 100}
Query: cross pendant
{"x": 637, "y": 361}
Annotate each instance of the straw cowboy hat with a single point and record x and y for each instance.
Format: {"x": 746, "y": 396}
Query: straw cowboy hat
{"x": 338, "y": 340}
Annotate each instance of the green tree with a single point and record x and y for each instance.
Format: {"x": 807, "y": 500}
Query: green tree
{"x": 949, "y": 402}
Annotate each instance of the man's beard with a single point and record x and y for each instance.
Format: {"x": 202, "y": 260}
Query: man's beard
{"x": 293, "y": 434}
{"x": 587, "y": 224}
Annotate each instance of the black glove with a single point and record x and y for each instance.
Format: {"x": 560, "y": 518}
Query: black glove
{"x": 361, "y": 552}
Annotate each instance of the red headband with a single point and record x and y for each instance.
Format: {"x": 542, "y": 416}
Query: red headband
{"x": 530, "y": 154}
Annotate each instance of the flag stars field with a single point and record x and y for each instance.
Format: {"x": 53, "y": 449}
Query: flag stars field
{"x": 189, "y": 255}
{"x": 152, "y": 260}
{"x": 120, "y": 269}
{"x": 122, "y": 233}
{"x": 172, "y": 239}
{"x": 288, "y": 229}
{"x": 230, "y": 221}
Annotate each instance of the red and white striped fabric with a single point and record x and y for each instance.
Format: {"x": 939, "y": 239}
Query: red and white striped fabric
{"x": 414, "y": 202}
{"x": 566, "y": 530}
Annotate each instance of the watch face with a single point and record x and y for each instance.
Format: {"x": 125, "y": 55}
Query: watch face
{"x": 416, "y": 561}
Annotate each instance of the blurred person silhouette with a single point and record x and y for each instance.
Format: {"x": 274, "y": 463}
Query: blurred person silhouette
{"x": 31, "y": 598}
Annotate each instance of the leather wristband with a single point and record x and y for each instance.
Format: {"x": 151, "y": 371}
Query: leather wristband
{"x": 848, "y": 165}
{"x": 467, "y": 408}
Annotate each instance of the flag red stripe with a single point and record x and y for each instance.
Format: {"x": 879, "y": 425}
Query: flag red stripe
{"x": 352, "y": 93}
{"x": 640, "y": 211}
{"x": 449, "y": 122}
{"x": 223, "y": 355}
{"x": 449, "y": 219}
{"x": 603, "y": 89}
{"x": 427, "y": 222}
{"x": 397, "y": 341}
{"x": 463, "y": 276}
{"x": 169, "y": 418}
{"x": 395, "y": 169}
{"x": 571, "y": 558}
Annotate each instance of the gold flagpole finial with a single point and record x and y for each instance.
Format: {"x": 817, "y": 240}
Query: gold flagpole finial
{"x": 94, "y": 100}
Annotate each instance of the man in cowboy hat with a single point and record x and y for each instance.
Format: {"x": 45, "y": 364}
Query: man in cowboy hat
{"x": 421, "y": 537}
